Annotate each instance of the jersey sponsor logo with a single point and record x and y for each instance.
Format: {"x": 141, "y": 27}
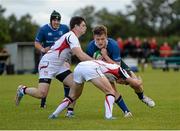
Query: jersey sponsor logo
{"x": 56, "y": 38}
{"x": 61, "y": 33}
{"x": 50, "y": 34}
{"x": 49, "y": 41}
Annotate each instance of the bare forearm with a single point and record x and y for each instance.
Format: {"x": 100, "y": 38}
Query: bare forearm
{"x": 84, "y": 57}
{"x": 39, "y": 47}
{"x": 108, "y": 60}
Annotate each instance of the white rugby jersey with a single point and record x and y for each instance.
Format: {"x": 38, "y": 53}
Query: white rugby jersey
{"x": 61, "y": 50}
{"x": 106, "y": 68}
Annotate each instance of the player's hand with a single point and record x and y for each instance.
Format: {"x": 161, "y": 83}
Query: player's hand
{"x": 104, "y": 52}
{"x": 47, "y": 49}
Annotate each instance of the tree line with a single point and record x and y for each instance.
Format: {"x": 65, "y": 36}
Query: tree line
{"x": 14, "y": 30}
{"x": 144, "y": 18}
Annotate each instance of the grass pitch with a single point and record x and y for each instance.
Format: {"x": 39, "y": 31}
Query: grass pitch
{"x": 163, "y": 87}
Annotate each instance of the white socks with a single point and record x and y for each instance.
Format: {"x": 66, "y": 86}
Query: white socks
{"x": 62, "y": 106}
{"x": 109, "y": 101}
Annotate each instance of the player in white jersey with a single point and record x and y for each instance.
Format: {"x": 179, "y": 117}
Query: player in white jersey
{"x": 95, "y": 71}
{"x": 53, "y": 62}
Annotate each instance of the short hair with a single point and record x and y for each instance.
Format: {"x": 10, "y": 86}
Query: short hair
{"x": 76, "y": 20}
{"x": 100, "y": 30}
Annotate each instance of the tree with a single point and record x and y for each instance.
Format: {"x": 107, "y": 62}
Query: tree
{"x": 87, "y": 13}
{"x": 116, "y": 23}
{"x": 26, "y": 29}
{"x": 156, "y": 14}
{"x": 23, "y": 29}
{"x": 13, "y": 30}
{"x": 4, "y": 32}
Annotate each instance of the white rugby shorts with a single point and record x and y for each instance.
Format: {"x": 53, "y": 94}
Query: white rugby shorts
{"x": 49, "y": 69}
{"x": 86, "y": 73}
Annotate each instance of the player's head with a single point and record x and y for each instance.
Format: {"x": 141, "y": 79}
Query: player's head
{"x": 55, "y": 19}
{"x": 100, "y": 36}
{"x": 78, "y": 24}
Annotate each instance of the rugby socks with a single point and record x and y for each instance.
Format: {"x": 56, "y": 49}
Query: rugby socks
{"x": 65, "y": 103}
{"x": 120, "y": 102}
{"x": 24, "y": 89}
{"x": 43, "y": 102}
{"x": 66, "y": 94}
{"x": 66, "y": 91}
{"x": 109, "y": 101}
{"x": 70, "y": 109}
{"x": 140, "y": 95}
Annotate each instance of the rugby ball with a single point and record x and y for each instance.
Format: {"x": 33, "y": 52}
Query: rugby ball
{"x": 97, "y": 55}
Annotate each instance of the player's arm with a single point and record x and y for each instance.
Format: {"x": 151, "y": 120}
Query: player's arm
{"x": 90, "y": 49}
{"x": 81, "y": 54}
{"x": 39, "y": 47}
{"x": 38, "y": 41}
{"x": 106, "y": 57}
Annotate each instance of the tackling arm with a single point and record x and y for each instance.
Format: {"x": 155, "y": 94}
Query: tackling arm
{"x": 80, "y": 54}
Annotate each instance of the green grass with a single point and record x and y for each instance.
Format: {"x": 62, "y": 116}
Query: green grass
{"x": 163, "y": 87}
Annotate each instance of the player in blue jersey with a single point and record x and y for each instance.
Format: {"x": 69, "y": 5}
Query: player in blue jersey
{"x": 110, "y": 53}
{"x": 45, "y": 38}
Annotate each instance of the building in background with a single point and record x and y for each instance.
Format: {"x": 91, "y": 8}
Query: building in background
{"x": 21, "y": 57}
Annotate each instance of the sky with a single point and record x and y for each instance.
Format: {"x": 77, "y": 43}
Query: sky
{"x": 40, "y": 10}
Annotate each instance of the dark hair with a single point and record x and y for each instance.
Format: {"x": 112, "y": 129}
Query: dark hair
{"x": 76, "y": 20}
{"x": 99, "y": 30}
{"x": 55, "y": 15}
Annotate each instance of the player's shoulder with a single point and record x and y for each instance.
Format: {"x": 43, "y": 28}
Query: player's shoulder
{"x": 112, "y": 44}
{"x": 63, "y": 26}
{"x": 70, "y": 35}
{"x": 112, "y": 41}
{"x": 45, "y": 26}
{"x": 91, "y": 43}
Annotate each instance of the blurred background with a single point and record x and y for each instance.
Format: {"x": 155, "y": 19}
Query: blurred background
{"x": 147, "y": 31}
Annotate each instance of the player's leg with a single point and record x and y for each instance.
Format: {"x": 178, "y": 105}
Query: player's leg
{"x": 65, "y": 77}
{"x": 136, "y": 84}
{"x": 66, "y": 90}
{"x": 75, "y": 92}
{"x": 70, "y": 109}
{"x": 64, "y": 104}
{"x": 43, "y": 103}
{"x": 103, "y": 84}
{"x": 66, "y": 87}
{"x": 40, "y": 92}
{"x": 120, "y": 102}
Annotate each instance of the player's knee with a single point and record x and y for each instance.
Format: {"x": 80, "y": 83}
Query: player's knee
{"x": 107, "y": 91}
{"x": 42, "y": 94}
{"x": 70, "y": 99}
{"x": 74, "y": 96}
{"x": 137, "y": 84}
